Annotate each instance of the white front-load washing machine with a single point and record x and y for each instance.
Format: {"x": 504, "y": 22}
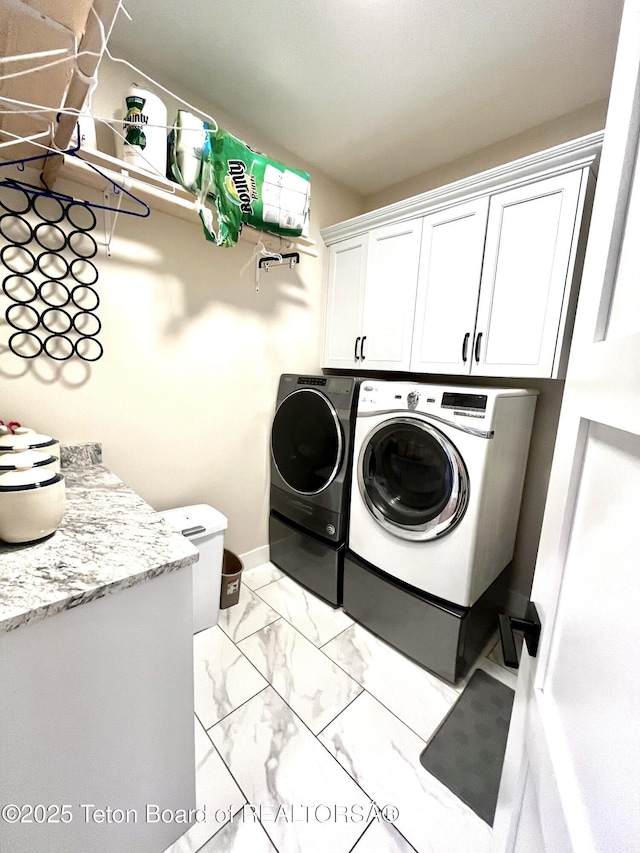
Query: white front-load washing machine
{"x": 438, "y": 472}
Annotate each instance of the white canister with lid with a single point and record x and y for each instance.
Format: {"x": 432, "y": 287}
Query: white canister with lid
{"x": 31, "y": 504}
{"x": 25, "y": 439}
{"x": 20, "y": 460}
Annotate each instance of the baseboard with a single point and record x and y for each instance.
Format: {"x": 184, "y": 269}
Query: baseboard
{"x": 254, "y": 558}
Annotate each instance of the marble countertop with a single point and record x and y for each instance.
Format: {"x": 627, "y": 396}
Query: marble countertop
{"x": 109, "y": 540}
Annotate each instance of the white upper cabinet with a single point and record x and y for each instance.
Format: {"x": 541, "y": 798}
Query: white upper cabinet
{"x": 392, "y": 278}
{"x": 529, "y": 254}
{"x": 481, "y": 279}
{"x": 371, "y": 298}
{"x": 494, "y": 281}
{"x": 345, "y": 300}
{"x": 447, "y": 301}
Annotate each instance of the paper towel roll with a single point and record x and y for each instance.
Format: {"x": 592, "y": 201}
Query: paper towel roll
{"x": 145, "y": 132}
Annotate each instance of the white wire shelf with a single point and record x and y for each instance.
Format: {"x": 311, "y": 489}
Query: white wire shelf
{"x": 162, "y": 195}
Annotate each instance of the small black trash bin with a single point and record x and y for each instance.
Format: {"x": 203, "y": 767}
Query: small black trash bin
{"x": 231, "y": 571}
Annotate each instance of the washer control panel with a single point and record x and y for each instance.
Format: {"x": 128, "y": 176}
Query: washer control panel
{"x": 464, "y": 403}
{"x": 448, "y": 402}
{"x": 468, "y": 414}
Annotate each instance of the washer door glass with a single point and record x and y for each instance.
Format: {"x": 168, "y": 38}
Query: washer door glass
{"x": 306, "y": 441}
{"x": 412, "y": 479}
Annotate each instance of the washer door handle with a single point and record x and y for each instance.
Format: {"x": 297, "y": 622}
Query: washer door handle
{"x": 370, "y": 464}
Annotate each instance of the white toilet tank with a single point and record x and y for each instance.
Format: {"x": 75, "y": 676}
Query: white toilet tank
{"x": 204, "y": 526}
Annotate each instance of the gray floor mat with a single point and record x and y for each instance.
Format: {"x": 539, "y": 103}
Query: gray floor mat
{"x": 467, "y": 751}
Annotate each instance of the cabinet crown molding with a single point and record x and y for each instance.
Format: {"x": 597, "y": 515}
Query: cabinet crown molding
{"x": 576, "y": 154}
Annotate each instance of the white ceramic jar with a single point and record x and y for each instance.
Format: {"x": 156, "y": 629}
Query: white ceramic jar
{"x": 31, "y": 504}
{"x": 20, "y": 460}
{"x": 25, "y": 439}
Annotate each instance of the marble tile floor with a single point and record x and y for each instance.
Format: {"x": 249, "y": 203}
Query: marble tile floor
{"x": 309, "y": 730}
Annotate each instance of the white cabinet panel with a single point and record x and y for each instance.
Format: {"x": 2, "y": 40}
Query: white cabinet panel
{"x": 345, "y": 298}
{"x": 371, "y": 298}
{"x": 448, "y": 284}
{"x": 528, "y": 255}
{"x": 392, "y": 279}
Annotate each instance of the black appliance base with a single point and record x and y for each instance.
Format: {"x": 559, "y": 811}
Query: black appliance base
{"x": 315, "y": 564}
{"x": 442, "y": 637}
{"x": 308, "y": 513}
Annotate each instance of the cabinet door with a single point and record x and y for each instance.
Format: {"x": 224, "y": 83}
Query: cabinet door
{"x": 392, "y": 279}
{"x": 345, "y": 297}
{"x": 529, "y": 255}
{"x": 448, "y": 286}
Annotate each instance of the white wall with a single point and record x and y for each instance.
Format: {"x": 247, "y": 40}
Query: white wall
{"x": 588, "y": 119}
{"x": 183, "y": 396}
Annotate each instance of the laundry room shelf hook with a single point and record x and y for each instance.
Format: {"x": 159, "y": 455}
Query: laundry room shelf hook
{"x": 266, "y": 262}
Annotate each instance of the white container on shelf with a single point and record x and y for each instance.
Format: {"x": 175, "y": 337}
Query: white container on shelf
{"x": 145, "y": 130}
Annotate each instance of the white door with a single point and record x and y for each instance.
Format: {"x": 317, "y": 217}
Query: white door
{"x": 528, "y": 261}
{"x": 345, "y": 299}
{"x": 571, "y": 779}
{"x": 448, "y": 287}
{"x": 390, "y": 295}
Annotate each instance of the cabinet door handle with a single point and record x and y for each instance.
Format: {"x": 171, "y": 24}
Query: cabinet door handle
{"x": 477, "y": 348}
{"x": 362, "y": 348}
{"x": 355, "y": 349}
{"x": 465, "y": 343}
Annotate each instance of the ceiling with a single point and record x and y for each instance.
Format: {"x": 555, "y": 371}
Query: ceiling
{"x": 373, "y": 92}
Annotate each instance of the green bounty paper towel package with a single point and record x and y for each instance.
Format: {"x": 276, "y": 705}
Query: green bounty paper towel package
{"x": 244, "y": 185}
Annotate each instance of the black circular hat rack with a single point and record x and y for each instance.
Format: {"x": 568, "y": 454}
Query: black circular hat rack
{"x": 48, "y": 277}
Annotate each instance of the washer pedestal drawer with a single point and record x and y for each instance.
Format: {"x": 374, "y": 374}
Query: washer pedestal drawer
{"x": 443, "y": 637}
{"x": 310, "y": 513}
{"x": 315, "y": 564}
